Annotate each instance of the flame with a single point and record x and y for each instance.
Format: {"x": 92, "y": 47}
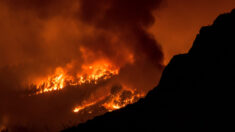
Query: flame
{"x": 79, "y": 108}
{"x": 53, "y": 83}
{"x": 86, "y": 105}
{"x": 114, "y": 102}
{"x": 99, "y": 70}
{"x": 118, "y": 102}
{"x": 93, "y": 73}
{"x": 90, "y": 74}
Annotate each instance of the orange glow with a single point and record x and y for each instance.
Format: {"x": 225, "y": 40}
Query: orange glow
{"x": 79, "y": 108}
{"x": 112, "y": 102}
{"x": 53, "y": 83}
{"x": 179, "y": 21}
{"x": 86, "y": 105}
{"x": 118, "y": 102}
{"x": 90, "y": 74}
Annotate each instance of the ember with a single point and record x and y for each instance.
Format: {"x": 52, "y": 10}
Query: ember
{"x": 113, "y": 101}
{"x": 89, "y": 74}
{"x": 61, "y": 59}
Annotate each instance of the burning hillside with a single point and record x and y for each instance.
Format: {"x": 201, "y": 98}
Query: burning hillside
{"x": 90, "y": 74}
{"x": 116, "y": 99}
{"x": 69, "y": 61}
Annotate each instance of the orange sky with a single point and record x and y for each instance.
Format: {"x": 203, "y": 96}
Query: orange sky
{"x": 179, "y": 21}
{"x": 39, "y": 36}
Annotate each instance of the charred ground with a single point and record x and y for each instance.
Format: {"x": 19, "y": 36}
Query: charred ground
{"x": 195, "y": 91}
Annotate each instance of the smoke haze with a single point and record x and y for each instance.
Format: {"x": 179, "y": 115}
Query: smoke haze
{"x": 38, "y": 36}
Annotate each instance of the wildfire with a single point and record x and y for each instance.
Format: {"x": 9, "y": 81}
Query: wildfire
{"x": 93, "y": 73}
{"x": 79, "y": 108}
{"x": 53, "y": 83}
{"x": 86, "y": 105}
{"x": 121, "y": 100}
{"x": 90, "y": 74}
{"x": 112, "y": 102}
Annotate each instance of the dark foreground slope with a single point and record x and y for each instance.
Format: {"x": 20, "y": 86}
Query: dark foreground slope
{"x": 195, "y": 92}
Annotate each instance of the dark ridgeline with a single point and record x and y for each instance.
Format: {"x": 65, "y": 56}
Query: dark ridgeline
{"x": 195, "y": 91}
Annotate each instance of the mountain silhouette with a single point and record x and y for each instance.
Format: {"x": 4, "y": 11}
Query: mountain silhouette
{"x": 195, "y": 91}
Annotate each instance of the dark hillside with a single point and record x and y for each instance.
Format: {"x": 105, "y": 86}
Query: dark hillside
{"x": 196, "y": 91}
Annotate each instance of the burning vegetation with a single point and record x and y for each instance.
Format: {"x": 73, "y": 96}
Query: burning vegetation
{"x": 89, "y": 74}
{"x": 117, "y": 98}
{"x": 74, "y": 60}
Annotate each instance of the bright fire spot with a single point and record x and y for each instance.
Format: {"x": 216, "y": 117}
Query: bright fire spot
{"x": 113, "y": 102}
{"x": 90, "y": 74}
{"x": 121, "y": 100}
{"x": 86, "y": 105}
{"x": 79, "y": 108}
{"x": 93, "y": 73}
{"x": 53, "y": 83}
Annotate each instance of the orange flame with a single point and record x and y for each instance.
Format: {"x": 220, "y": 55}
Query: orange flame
{"x": 118, "y": 102}
{"x": 79, "y": 108}
{"x": 86, "y": 105}
{"x": 99, "y": 70}
{"x": 53, "y": 83}
{"x": 90, "y": 74}
{"x": 114, "y": 103}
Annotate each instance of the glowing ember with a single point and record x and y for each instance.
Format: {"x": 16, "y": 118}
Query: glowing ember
{"x": 53, "y": 83}
{"x": 100, "y": 70}
{"x": 86, "y": 105}
{"x": 121, "y": 100}
{"x": 113, "y": 102}
{"x": 79, "y": 108}
{"x": 90, "y": 74}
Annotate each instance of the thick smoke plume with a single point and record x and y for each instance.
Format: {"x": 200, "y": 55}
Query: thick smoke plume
{"x": 37, "y": 36}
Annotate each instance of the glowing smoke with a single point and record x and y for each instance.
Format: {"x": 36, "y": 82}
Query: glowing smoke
{"x": 38, "y": 36}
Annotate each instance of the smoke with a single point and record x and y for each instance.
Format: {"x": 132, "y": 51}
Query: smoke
{"x": 37, "y": 36}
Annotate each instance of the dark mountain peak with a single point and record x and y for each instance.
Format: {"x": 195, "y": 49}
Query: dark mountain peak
{"x": 216, "y": 39}
{"x": 195, "y": 91}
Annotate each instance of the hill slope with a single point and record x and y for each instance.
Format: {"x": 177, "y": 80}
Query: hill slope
{"x": 195, "y": 91}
